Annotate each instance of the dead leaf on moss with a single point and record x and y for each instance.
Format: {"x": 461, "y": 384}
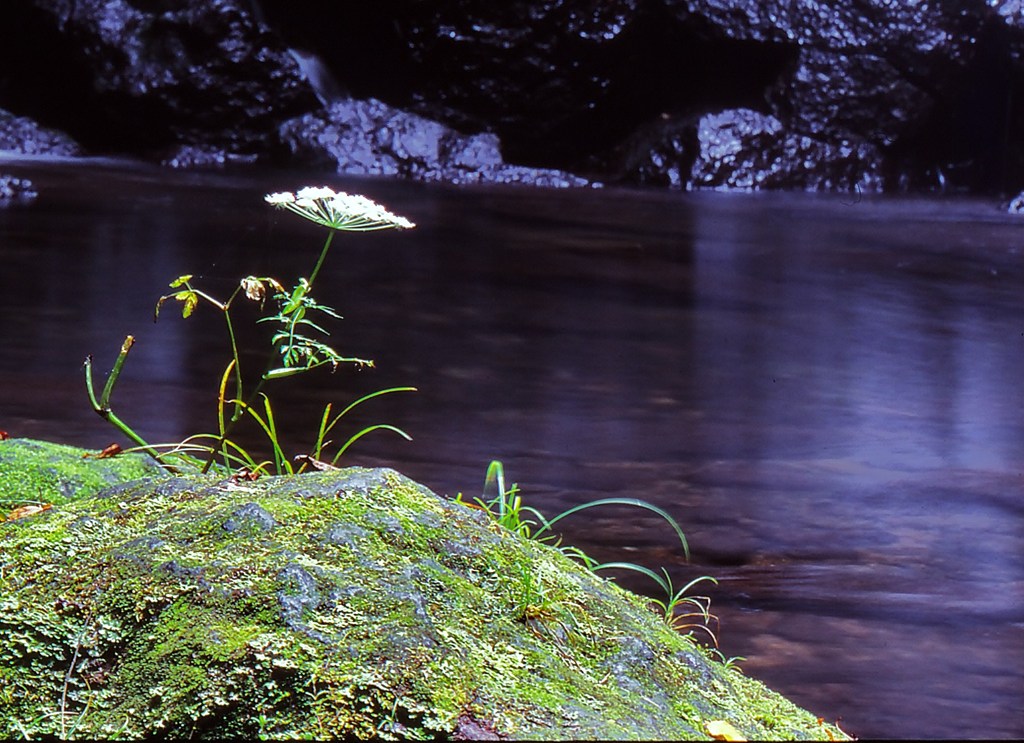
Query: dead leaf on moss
{"x": 243, "y": 474}
{"x": 821, "y": 721}
{"x": 25, "y": 511}
{"x": 111, "y": 451}
{"x": 315, "y": 464}
{"x": 721, "y": 730}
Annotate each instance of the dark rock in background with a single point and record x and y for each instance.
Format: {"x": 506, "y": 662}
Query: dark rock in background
{"x": 24, "y": 136}
{"x": 867, "y": 94}
{"x": 842, "y": 95}
{"x": 372, "y": 138}
{"x": 744, "y": 150}
{"x": 147, "y": 78}
{"x": 16, "y": 191}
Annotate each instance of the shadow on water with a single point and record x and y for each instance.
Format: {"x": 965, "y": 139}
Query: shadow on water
{"x": 826, "y": 394}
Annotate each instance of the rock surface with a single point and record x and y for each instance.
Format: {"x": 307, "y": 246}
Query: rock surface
{"x": 372, "y": 138}
{"x": 21, "y": 135}
{"x": 832, "y": 95}
{"x": 349, "y": 603}
{"x": 41, "y": 472}
{"x": 919, "y": 95}
{"x": 148, "y": 78}
{"x": 16, "y": 191}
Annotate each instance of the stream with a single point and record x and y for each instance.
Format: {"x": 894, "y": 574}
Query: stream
{"x": 825, "y": 391}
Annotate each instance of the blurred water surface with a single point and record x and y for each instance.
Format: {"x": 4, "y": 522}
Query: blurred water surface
{"x": 825, "y": 392}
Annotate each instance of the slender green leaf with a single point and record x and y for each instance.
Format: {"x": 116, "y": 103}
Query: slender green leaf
{"x": 627, "y": 502}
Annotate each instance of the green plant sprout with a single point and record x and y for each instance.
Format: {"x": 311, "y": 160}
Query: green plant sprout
{"x": 507, "y": 509}
{"x": 298, "y": 345}
{"x": 680, "y": 610}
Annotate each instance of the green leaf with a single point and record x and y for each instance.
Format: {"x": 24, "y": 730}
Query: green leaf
{"x": 327, "y": 310}
{"x": 296, "y": 300}
{"x": 311, "y": 324}
{"x": 283, "y": 372}
{"x": 180, "y": 281}
{"x": 189, "y": 299}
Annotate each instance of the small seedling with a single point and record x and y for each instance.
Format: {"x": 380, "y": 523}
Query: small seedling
{"x": 678, "y": 608}
{"x": 506, "y": 508}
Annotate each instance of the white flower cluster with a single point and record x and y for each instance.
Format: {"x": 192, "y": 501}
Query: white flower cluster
{"x": 338, "y": 210}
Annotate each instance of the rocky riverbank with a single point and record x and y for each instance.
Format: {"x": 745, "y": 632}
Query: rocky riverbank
{"x": 728, "y": 94}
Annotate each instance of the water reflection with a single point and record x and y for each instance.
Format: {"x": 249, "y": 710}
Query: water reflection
{"x": 825, "y": 394}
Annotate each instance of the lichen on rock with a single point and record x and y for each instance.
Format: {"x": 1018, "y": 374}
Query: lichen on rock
{"x": 42, "y": 472}
{"x": 335, "y": 604}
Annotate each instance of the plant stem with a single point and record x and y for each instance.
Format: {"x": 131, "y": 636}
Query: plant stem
{"x": 323, "y": 254}
{"x": 239, "y": 405}
{"x": 102, "y": 406}
{"x": 239, "y": 409}
{"x": 234, "y": 355}
{"x": 108, "y": 388}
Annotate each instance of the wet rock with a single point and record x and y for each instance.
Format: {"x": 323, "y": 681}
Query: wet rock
{"x": 250, "y": 517}
{"x": 1016, "y": 205}
{"x": 371, "y": 138}
{"x": 21, "y": 135}
{"x": 133, "y": 77}
{"x": 298, "y": 594}
{"x": 469, "y": 728}
{"x": 859, "y": 95}
{"x": 195, "y": 157}
{"x": 14, "y": 190}
{"x": 873, "y": 95}
{"x": 550, "y": 78}
{"x": 346, "y": 535}
{"x": 920, "y": 95}
{"x": 633, "y": 657}
{"x": 747, "y": 151}
{"x": 38, "y": 471}
{"x": 737, "y": 150}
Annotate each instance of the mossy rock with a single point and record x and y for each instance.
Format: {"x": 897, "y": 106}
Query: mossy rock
{"x": 36, "y": 472}
{"x": 353, "y": 603}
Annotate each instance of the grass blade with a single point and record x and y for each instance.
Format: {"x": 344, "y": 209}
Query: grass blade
{"x": 624, "y": 502}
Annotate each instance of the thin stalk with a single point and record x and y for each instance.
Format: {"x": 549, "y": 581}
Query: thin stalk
{"x": 239, "y": 403}
{"x": 67, "y": 682}
{"x": 279, "y": 458}
{"x": 239, "y": 406}
{"x": 102, "y": 406}
{"x": 234, "y": 356}
{"x": 236, "y": 366}
{"x": 108, "y": 388}
{"x": 322, "y": 432}
{"x": 223, "y": 306}
{"x": 270, "y": 429}
{"x": 323, "y": 255}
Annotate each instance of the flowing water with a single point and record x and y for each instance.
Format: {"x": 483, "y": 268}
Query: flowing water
{"x": 825, "y": 392}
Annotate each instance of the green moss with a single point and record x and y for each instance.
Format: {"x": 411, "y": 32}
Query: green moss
{"x": 350, "y": 603}
{"x": 40, "y": 472}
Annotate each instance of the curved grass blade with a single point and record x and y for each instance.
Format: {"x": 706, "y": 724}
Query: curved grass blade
{"x": 624, "y": 502}
{"x": 365, "y": 431}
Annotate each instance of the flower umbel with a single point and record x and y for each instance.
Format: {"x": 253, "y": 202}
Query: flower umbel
{"x": 338, "y": 210}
